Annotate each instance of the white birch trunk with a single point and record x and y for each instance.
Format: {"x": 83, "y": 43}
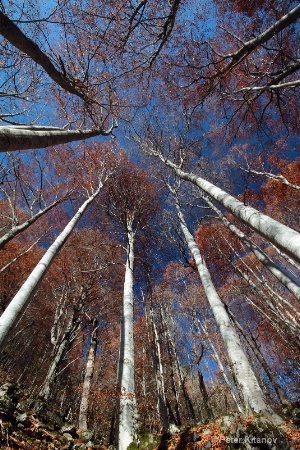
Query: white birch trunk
{"x": 27, "y": 290}
{"x": 275, "y": 322}
{"x": 89, "y": 370}
{"x": 10, "y": 31}
{"x": 249, "y": 46}
{"x": 285, "y": 279}
{"x": 29, "y": 137}
{"x": 278, "y": 234}
{"x": 127, "y": 418}
{"x": 275, "y": 305}
{"x": 253, "y": 396}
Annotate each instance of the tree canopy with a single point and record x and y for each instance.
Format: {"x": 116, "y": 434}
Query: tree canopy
{"x": 150, "y": 153}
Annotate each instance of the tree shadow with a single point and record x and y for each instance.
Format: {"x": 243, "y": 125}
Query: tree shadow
{"x": 164, "y": 442}
{"x": 185, "y": 438}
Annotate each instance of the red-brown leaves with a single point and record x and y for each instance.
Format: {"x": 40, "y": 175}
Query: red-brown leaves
{"x": 131, "y": 196}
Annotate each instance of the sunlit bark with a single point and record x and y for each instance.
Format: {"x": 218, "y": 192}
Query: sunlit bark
{"x": 280, "y": 235}
{"x": 89, "y": 370}
{"x": 253, "y": 396}
{"x": 10, "y": 31}
{"x": 16, "y": 229}
{"x": 275, "y": 269}
{"x": 19, "y": 303}
{"x": 252, "y": 344}
{"x": 32, "y": 136}
{"x": 127, "y": 419}
{"x": 67, "y": 338}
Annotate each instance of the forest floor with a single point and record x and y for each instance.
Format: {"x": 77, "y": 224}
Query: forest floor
{"x": 41, "y": 428}
{"x": 211, "y": 436}
{"x": 38, "y": 436}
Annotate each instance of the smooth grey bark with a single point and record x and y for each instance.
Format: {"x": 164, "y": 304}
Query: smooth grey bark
{"x": 276, "y": 301}
{"x": 284, "y": 278}
{"x": 19, "y": 303}
{"x": 16, "y": 229}
{"x": 24, "y": 137}
{"x": 286, "y": 257}
{"x": 280, "y": 178}
{"x": 253, "y": 396}
{"x": 280, "y": 235}
{"x": 292, "y": 327}
{"x": 89, "y": 370}
{"x": 66, "y": 341}
{"x": 178, "y": 367}
{"x": 252, "y": 344}
{"x": 19, "y": 255}
{"x": 220, "y": 364}
{"x": 12, "y": 33}
{"x": 274, "y": 321}
{"x": 177, "y": 415}
{"x": 128, "y": 415}
{"x": 249, "y": 46}
{"x": 159, "y": 373}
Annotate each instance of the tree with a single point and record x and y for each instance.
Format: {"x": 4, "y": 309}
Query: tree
{"x": 88, "y": 377}
{"x": 280, "y": 235}
{"x": 243, "y": 68}
{"x": 222, "y": 77}
{"x": 24, "y": 295}
{"x": 284, "y": 278}
{"x": 28, "y": 192}
{"x": 245, "y": 376}
{"x": 27, "y": 137}
{"x": 131, "y": 200}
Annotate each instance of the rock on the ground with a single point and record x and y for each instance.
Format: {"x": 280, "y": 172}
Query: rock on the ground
{"x": 8, "y": 399}
{"x": 87, "y": 435}
{"x": 69, "y": 429}
{"x": 173, "y": 429}
{"x": 195, "y": 437}
{"x": 229, "y": 420}
{"x": 257, "y": 434}
{"x": 23, "y": 419}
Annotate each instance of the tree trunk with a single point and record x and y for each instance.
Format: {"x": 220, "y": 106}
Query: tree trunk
{"x": 18, "y": 137}
{"x": 291, "y": 326}
{"x": 10, "y": 31}
{"x": 252, "y": 344}
{"x": 89, "y": 370}
{"x": 15, "y": 230}
{"x": 207, "y": 414}
{"x": 159, "y": 374}
{"x": 248, "y": 47}
{"x": 280, "y": 235}
{"x": 173, "y": 370}
{"x": 19, "y": 303}
{"x": 253, "y": 396}
{"x": 128, "y": 416}
{"x": 72, "y": 326}
{"x": 220, "y": 364}
{"x": 285, "y": 279}
{"x": 188, "y": 402}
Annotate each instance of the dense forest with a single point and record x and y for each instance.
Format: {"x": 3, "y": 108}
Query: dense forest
{"x": 150, "y": 236}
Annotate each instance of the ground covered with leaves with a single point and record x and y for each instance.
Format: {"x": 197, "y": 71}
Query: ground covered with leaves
{"x": 213, "y": 436}
{"x": 30, "y": 424}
